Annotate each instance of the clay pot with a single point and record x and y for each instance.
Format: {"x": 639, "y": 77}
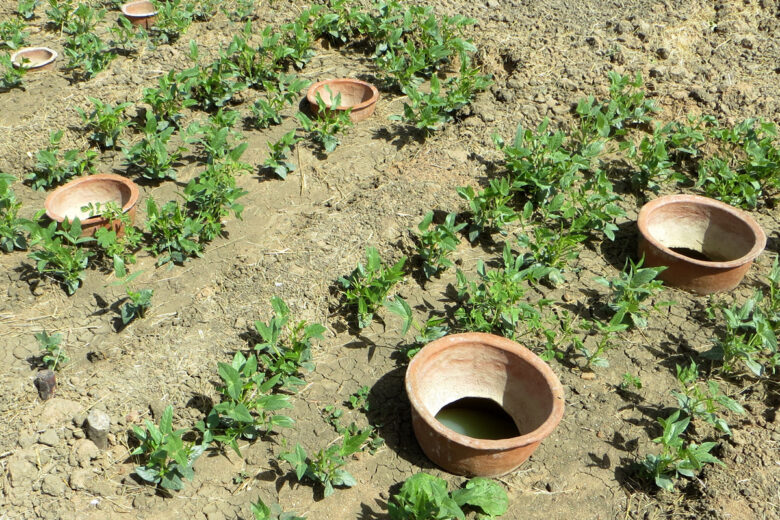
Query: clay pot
{"x": 66, "y": 201}
{"x": 140, "y": 12}
{"x": 706, "y": 245}
{"x": 40, "y": 58}
{"x": 358, "y": 95}
{"x": 483, "y": 366}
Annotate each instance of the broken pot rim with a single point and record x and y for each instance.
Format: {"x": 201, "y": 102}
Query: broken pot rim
{"x": 502, "y": 343}
{"x": 124, "y": 7}
{"x": 134, "y": 193}
{"x": 311, "y": 94}
{"x": 758, "y": 234}
{"x": 52, "y": 56}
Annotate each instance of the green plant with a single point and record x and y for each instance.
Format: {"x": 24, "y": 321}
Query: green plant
{"x": 173, "y": 234}
{"x": 327, "y": 466}
{"x": 54, "y": 354}
{"x": 83, "y": 19}
{"x": 630, "y": 290}
{"x": 333, "y": 417}
{"x": 652, "y": 163}
{"x": 298, "y": 41}
{"x": 489, "y": 207}
{"x": 282, "y": 90}
{"x": 747, "y": 169}
{"x": 87, "y": 54}
{"x": 168, "y": 98}
{"x": 496, "y": 301}
{"x": 549, "y": 251}
{"x": 630, "y": 380}
{"x": 213, "y": 194}
{"x": 61, "y": 255}
{"x": 60, "y": 12}
{"x": 212, "y": 85}
{"x": 172, "y": 21}
{"x": 435, "y": 245}
{"x": 425, "y": 497}
{"x": 285, "y": 349}
{"x": 12, "y": 33}
{"x": 278, "y": 153}
{"x": 327, "y": 124}
{"x": 750, "y": 335}
{"x": 168, "y": 460}
{"x": 10, "y": 76}
{"x": 627, "y": 107}
{"x": 367, "y": 286}
{"x": 106, "y": 122}
{"x": 115, "y": 245}
{"x": 428, "y": 111}
{"x": 264, "y": 512}
{"x": 12, "y": 228}
{"x": 607, "y": 333}
{"x": 54, "y": 167}
{"x": 249, "y": 60}
{"x": 242, "y": 10}
{"x": 217, "y": 136}
{"x": 676, "y": 457}
{"x": 26, "y": 8}
{"x": 359, "y": 400}
{"x": 434, "y": 327}
{"x": 150, "y": 155}
{"x": 694, "y": 401}
{"x": 246, "y": 407}
{"x": 125, "y": 36}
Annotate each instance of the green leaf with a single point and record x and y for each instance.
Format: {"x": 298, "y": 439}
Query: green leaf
{"x": 485, "y": 494}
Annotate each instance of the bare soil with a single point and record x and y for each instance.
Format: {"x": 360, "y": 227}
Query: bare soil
{"x": 299, "y": 235}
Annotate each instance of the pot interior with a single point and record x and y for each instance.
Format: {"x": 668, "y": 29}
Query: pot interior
{"x": 36, "y": 57}
{"x": 351, "y": 93}
{"x": 701, "y": 231}
{"x": 476, "y": 370}
{"x": 68, "y": 202}
{"x": 140, "y": 9}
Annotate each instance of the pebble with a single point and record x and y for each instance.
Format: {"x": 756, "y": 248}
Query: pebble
{"x": 49, "y": 438}
{"x": 53, "y": 485}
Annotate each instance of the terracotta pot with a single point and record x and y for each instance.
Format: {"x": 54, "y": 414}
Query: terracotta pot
{"x": 483, "y": 366}
{"x": 706, "y": 245}
{"x": 358, "y": 95}
{"x": 66, "y": 201}
{"x": 140, "y": 12}
{"x": 40, "y": 58}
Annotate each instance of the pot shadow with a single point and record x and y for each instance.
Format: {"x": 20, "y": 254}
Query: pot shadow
{"x": 390, "y": 414}
{"x": 773, "y": 242}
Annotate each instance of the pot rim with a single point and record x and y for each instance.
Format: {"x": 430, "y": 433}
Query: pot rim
{"x": 311, "y": 93}
{"x": 134, "y": 193}
{"x": 124, "y": 7}
{"x": 23, "y": 50}
{"x": 499, "y": 342}
{"x": 759, "y": 237}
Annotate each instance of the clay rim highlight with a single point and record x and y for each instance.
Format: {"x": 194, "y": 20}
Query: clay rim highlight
{"x": 124, "y": 8}
{"x": 696, "y": 200}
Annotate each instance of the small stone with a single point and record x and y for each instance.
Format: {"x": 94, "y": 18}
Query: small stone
{"x": 588, "y": 376}
{"x": 79, "y": 478}
{"x": 747, "y": 43}
{"x": 20, "y": 470}
{"x": 49, "y": 438}
{"x": 46, "y": 383}
{"x": 737, "y": 438}
{"x": 53, "y": 485}
{"x": 157, "y": 408}
{"x": 662, "y": 52}
{"x": 84, "y": 451}
{"x": 98, "y": 425}
{"x": 698, "y": 93}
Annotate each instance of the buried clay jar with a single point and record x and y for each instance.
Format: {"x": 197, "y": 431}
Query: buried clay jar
{"x": 357, "y": 95}
{"x": 706, "y": 245}
{"x": 68, "y": 201}
{"x": 474, "y": 375}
